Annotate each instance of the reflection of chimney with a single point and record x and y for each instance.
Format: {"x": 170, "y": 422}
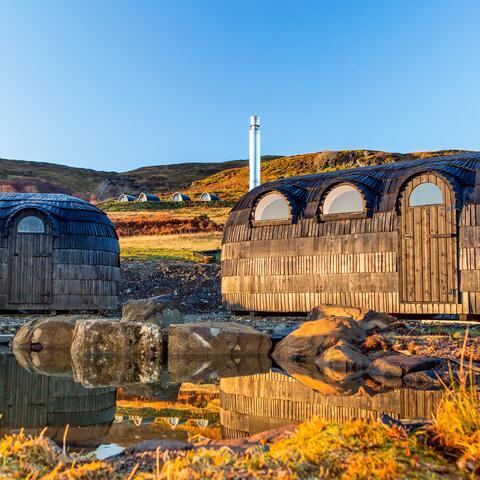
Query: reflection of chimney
{"x": 254, "y": 151}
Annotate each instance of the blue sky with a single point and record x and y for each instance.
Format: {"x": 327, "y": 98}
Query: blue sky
{"x": 116, "y": 85}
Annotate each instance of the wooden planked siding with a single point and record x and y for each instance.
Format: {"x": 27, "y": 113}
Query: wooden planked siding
{"x": 295, "y": 273}
{"x": 82, "y": 280}
{"x": 253, "y": 403}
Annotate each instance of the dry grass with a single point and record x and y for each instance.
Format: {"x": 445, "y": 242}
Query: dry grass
{"x": 456, "y": 426}
{"x": 174, "y": 247}
{"x": 138, "y": 226}
{"x": 319, "y": 449}
{"x": 25, "y": 457}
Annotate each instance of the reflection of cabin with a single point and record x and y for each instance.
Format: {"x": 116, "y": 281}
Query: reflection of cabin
{"x": 209, "y": 197}
{"x": 56, "y": 253}
{"x": 398, "y": 238}
{"x": 147, "y": 197}
{"x": 180, "y": 197}
{"x": 254, "y": 403}
{"x": 33, "y": 402}
{"x": 126, "y": 198}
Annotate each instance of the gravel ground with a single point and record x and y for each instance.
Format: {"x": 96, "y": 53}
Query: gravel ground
{"x": 196, "y": 284}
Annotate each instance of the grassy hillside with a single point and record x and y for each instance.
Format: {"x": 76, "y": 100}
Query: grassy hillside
{"x": 228, "y": 179}
{"x": 25, "y": 176}
{"x": 232, "y": 183}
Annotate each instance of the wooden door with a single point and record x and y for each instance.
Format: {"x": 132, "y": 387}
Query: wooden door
{"x": 428, "y": 242}
{"x": 30, "y": 259}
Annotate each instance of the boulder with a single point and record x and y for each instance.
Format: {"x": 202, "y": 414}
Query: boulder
{"x": 324, "y": 311}
{"x": 92, "y": 337}
{"x": 368, "y": 319}
{"x": 47, "y": 333}
{"x": 211, "y": 338}
{"x": 314, "y": 337}
{"x": 342, "y": 357}
{"x": 399, "y": 365}
{"x": 424, "y": 379}
{"x": 162, "y": 310}
{"x": 308, "y": 374}
{"x": 94, "y": 371}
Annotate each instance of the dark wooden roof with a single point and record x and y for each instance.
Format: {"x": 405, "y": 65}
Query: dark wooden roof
{"x": 68, "y": 215}
{"x": 380, "y": 184}
{"x": 149, "y": 196}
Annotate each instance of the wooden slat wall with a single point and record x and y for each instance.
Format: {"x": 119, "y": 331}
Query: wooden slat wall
{"x": 82, "y": 280}
{"x": 253, "y": 403}
{"x": 282, "y": 270}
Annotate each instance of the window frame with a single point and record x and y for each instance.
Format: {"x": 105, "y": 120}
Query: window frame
{"x": 279, "y": 221}
{"x": 342, "y": 215}
{"x": 425, "y": 204}
{"x": 31, "y": 215}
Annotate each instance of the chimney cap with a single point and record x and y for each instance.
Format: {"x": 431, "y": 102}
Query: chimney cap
{"x": 254, "y": 120}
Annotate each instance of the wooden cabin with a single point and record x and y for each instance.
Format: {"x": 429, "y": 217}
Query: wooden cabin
{"x": 33, "y": 402}
{"x": 402, "y": 238}
{"x": 56, "y": 253}
{"x": 124, "y": 198}
{"x": 147, "y": 197}
{"x": 209, "y": 197}
{"x": 180, "y": 197}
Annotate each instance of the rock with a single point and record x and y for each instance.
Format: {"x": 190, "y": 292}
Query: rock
{"x": 313, "y": 337}
{"x": 399, "y": 365}
{"x": 209, "y": 369}
{"x": 373, "y": 320}
{"x": 46, "y": 362}
{"x": 162, "y": 445}
{"x": 309, "y": 375}
{"x": 210, "y": 338}
{"x": 424, "y": 379}
{"x": 120, "y": 338}
{"x": 161, "y": 310}
{"x": 94, "y": 371}
{"x": 368, "y": 319}
{"x": 281, "y": 332}
{"x": 48, "y": 332}
{"x": 343, "y": 357}
{"x": 393, "y": 423}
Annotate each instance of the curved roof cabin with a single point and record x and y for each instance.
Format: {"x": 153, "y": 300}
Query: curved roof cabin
{"x": 147, "y": 197}
{"x": 56, "y": 253}
{"x": 402, "y": 238}
{"x": 209, "y": 197}
{"x": 180, "y": 197}
{"x": 126, "y": 198}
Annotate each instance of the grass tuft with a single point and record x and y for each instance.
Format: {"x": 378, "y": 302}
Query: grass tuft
{"x": 456, "y": 425}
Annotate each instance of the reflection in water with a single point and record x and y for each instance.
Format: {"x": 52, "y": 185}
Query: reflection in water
{"x": 254, "y": 403}
{"x": 32, "y": 401}
{"x": 210, "y": 396}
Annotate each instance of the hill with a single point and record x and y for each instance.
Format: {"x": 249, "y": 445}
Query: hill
{"x": 93, "y": 185}
{"x": 232, "y": 183}
{"x": 228, "y": 179}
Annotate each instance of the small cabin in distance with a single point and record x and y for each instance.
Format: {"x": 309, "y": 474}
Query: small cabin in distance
{"x": 180, "y": 197}
{"x": 209, "y": 197}
{"x": 56, "y": 253}
{"x": 126, "y": 198}
{"x": 147, "y": 197}
{"x": 402, "y": 238}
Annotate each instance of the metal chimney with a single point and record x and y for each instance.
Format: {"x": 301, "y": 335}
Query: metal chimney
{"x": 254, "y": 151}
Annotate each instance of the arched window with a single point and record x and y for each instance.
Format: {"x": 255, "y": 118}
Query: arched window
{"x": 343, "y": 199}
{"x": 272, "y": 206}
{"x": 31, "y": 224}
{"x": 425, "y": 194}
